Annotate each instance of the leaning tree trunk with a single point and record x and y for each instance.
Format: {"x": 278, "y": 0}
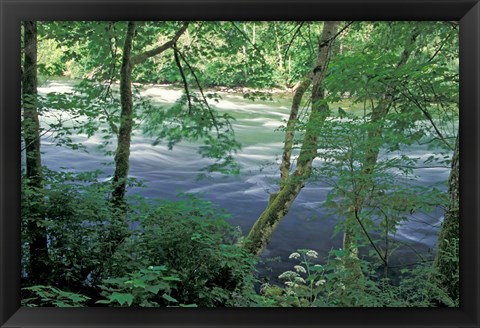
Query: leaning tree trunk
{"x": 288, "y": 141}
{"x": 38, "y": 260}
{"x": 290, "y": 129}
{"x": 446, "y": 260}
{"x": 278, "y": 207}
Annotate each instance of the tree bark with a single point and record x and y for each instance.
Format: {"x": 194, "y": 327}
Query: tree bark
{"x": 38, "y": 248}
{"x": 122, "y": 153}
{"x": 262, "y": 230}
{"x": 290, "y": 129}
{"x": 447, "y": 261}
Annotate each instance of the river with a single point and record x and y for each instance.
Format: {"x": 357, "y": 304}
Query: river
{"x": 170, "y": 172}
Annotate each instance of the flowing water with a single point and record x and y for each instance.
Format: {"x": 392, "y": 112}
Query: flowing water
{"x": 170, "y": 172}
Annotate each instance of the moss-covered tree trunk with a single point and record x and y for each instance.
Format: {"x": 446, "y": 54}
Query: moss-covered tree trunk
{"x": 38, "y": 248}
{"x": 447, "y": 259}
{"x": 122, "y": 154}
{"x": 290, "y": 129}
{"x": 278, "y": 207}
{"x": 119, "y": 226}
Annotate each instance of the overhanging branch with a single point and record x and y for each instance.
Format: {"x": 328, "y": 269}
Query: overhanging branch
{"x": 140, "y": 58}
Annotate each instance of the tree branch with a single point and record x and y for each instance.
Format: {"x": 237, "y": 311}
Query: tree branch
{"x": 246, "y": 38}
{"x": 184, "y": 79}
{"x": 427, "y": 115}
{"x": 369, "y": 238}
{"x": 140, "y": 58}
{"x": 299, "y": 26}
{"x": 210, "y": 111}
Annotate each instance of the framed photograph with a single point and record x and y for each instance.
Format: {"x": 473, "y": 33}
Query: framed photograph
{"x": 239, "y": 163}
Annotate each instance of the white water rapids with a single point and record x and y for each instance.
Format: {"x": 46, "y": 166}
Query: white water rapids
{"x": 169, "y": 172}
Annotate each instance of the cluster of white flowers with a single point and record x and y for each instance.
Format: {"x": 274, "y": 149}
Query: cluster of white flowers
{"x": 342, "y": 286}
{"x": 320, "y": 282}
{"x": 299, "y": 280}
{"x": 294, "y": 255}
{"x": 312, "y": 253}
{"x": 290, "y": 292}
{"x": 288, "y": 275}
{"x": 300, "y": 269}
{"x": 291, "y": 284}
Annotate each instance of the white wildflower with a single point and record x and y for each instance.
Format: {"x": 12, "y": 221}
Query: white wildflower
{"x": 288, "y": 275}
{"x": 300, "y": 269}
{"x": 299, "y": 280}
{"x": 294, "y": 255}
{"x": 312, "y": 253}
{"x": 342, "y": 286}
{"x": 291, "y": 284}
{"x": 320, "y": 282}
{"x": 290, "y": 292}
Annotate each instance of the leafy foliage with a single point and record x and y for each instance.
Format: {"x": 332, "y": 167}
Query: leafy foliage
{"x": 51, "y": 296}
{"x": 198, "y": 246}
{"x": 331, "y": 285}
{"x": 145, "y": 287}
{"x": 185, "y": 252}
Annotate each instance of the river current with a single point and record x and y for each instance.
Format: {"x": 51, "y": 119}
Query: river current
{"x": 170, "y": 172}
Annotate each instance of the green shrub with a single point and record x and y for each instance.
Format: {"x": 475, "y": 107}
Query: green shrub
{"x": 193, "y": 239}
{"x": 75, "y": 211}
{"x": 148, "y": 287}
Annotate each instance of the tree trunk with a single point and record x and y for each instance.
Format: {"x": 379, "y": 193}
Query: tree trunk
{"x": 262, "y": 230}
{"x": 38, "y": 261}
{"x": 122, "y": 153}
{"x": 290, "y": 129}
{"x": 447, "y": 261}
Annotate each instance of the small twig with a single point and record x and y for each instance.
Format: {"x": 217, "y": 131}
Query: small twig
{"x": 214, "y": 121}
{"x": 336, "y": 34}
{"x": 427, "y": 115}
{"x": 369, "y": 238}
{"x": 442, "y": 44}
{"x": 184, "y": 79}
{"x": 299, "y": 26}
{"x": 246, "y": 37}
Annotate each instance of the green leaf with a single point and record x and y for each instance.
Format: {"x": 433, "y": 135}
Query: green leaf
{"x": 153, "y": 289}
{"x": 169, "y": 278}
{"x": 122, "y": 298}
{"x": 169, "y": 298}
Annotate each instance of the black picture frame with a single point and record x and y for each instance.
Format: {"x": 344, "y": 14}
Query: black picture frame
{"x": 467, "y": 12}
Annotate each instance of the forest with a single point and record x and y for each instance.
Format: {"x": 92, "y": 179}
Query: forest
{"x": 240, "y": 164}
